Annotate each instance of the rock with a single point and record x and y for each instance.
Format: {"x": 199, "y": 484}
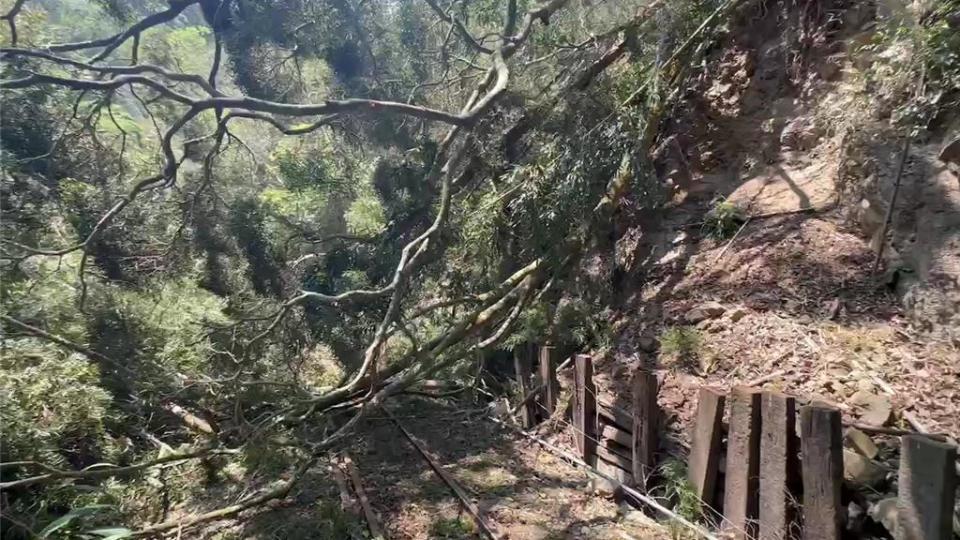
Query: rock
{"x": 647, "y": 343}
{"x": 737, "y": 313}
{"x": 829, "y": 70}
{"x": 834, "y": 307}
{"x": 709, "y": 310}
{"x": 884, "y": 512}
{"x": 861, "y": 443}
{"x": 637, "y": 517}
{"x": 859, "y": 470}
{"x": 530, "y": 531}
{"x": 951, "y": 152}
{"x": 800, "y": 134}
{"x": 875, "y": 410}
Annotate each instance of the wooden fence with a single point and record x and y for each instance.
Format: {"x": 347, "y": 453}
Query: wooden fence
{"x": 777, "y": 483}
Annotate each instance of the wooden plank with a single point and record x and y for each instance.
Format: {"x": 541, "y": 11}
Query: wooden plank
{"x": 521, "y": 363}
{"x": 488, "y": 528}
{"x": 585, "y": 408}
{"x": 618, "y": 449}
{"x": 347, "y": 502}
{"x": 615, "y": 414}
{"x": 821, "y": 445}
{"x": 646, "y": 420}
{"x": 613, "y": 433}
{"x": 373, "y": 522}
{"x": 548, "y": 378}
{"x": 614, "y": 459}
{"x": 928, "y": 486}
{"x": 741, "y": 502}
{"x": 705, "y": 451}
{"x": 779, "y": 466}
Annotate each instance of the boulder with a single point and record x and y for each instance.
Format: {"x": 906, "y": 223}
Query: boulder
{"x": 800, "y": 134}
{"x": 708, "y": 310}
{"x": 951, "y": 152}
{"x": 861, "y": 471}
{"x": 875, "y": 410}
{"x": 861, "y": 443}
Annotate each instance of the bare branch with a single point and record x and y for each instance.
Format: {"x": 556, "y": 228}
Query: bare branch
{"x": 111, "y": 43}
{"x": 134, "y": 69}
{"x": 458, "y": 26}
{"x": 62, "y": 341}
{"x": 91, "y": 473}
{"x": 11, "y": 18}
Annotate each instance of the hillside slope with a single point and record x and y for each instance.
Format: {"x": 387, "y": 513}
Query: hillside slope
{"x": 793, "y": 137}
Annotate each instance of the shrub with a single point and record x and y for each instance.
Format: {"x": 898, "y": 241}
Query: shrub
{"x": 452, "y": 528}
{"x": 723, "y": 220}
{"x": 679, "y": 492}
{"x": 681, "y": 343}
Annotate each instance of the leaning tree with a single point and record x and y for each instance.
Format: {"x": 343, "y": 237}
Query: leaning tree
{"x": 399, "y": 186}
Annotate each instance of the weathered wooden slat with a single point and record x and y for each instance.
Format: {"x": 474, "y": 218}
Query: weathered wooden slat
{"x": 614, "y": 459}
{"x": 613, "y": 433}
{"x": 705, "y": 451}
{"x": 928, "y": 485}
{"x": 646, "y": 424}
{"x": 619, "y": 449}
{"x": 779, "y": 466}
{"x": 741, "y": 502}
{"x": 373, "y": 522}
{"x": 548, "y": 378}
{"x": 615, "y": 414}
{"x": 347, "y": 502}
{"x": 585, "y": 408}
{"x": 821, "y": 445}
{"x": 521, "y": 361}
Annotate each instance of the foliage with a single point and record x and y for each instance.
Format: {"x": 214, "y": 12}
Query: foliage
{"x": 677, "y": 489}
{"x": 453, "y": 528}
{"x": 916, "y": 67}
{"x": 189, "y": 290}
{"x": 723, "y": 220}
{"x": 681, "y": 343}
{"x": 55, "y": 410}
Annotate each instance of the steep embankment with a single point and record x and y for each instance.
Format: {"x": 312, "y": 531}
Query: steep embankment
{"x": 784, "y": 128}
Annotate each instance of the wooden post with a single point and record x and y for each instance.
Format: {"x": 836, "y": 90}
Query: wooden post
{"x": 741, "y": 502}
{"x": 779, "y": 467}
{"x": 521, "y": 363}
{"x": 705, "y": 451}
{"x": 585, "y": 408}
{"x": 821, "y": 440}
{"x": 548, "y": 378}
{"x": 646, "y": 417}
{"x": 928, "y": 486}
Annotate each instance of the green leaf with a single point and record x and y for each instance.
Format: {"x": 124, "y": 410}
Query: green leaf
{"x": 112, "y": 533}
{"x": 68, "y": 518}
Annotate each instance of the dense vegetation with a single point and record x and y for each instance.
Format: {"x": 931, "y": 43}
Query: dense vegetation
{"x": 231, "y": 227}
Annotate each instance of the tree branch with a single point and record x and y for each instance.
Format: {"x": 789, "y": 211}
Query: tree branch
{"x": 103, "y": 472}
{"x": 458, "y": 26}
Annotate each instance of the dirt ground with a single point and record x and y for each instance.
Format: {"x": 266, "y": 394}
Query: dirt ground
{"x": 523, "y": 491}
{"x": 526, "y": 492}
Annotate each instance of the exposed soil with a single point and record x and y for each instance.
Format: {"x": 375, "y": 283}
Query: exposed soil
{"x": 525, "y": 491}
